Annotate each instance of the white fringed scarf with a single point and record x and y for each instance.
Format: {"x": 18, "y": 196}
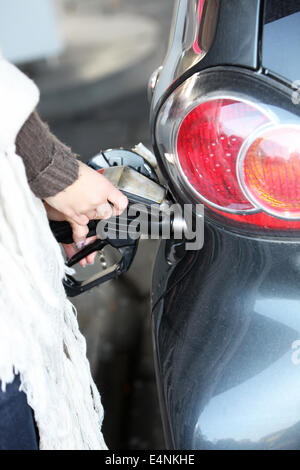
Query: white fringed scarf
{"x": 39, "y": 335}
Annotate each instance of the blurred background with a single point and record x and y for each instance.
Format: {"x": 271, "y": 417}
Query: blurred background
{"x": 92, "y": 60}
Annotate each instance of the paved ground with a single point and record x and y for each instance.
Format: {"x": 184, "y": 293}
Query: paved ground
{"x": 92, "y": 107}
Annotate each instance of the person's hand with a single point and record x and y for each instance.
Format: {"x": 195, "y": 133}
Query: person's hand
{"x": 70, "y": 249}
{"x": 90, "y": 197}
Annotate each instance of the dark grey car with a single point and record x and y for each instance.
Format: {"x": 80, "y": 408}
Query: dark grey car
{"x": 226, "y": 319}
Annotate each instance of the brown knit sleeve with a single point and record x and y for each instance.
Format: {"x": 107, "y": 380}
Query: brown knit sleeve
{"x": 50, "y": 165}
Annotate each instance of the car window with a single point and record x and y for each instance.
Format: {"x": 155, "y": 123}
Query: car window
{"x": 281, "y": 39}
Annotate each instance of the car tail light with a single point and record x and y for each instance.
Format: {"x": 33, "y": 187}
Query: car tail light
{"x": 269, "y": 171}
{"x": 208, "y": 145}
{"x": 196, "y": 46}
{"x": 234, "y": 154}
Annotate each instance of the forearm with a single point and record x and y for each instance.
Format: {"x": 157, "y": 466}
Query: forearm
{"x": 50, "y": 165}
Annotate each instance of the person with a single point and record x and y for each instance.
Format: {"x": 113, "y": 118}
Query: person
{"x": 48, "y": 399}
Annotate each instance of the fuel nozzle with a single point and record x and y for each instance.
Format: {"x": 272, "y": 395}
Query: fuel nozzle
{"x": 147, "y": 196}
{"x": 138, "y": 181}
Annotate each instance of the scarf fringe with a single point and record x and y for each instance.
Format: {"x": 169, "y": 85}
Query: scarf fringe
{"x": 40, "y": 338}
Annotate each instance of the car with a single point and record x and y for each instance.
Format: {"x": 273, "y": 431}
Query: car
{"x": 225, "y": 120}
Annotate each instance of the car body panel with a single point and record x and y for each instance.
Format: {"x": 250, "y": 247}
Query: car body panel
{"x": 233, "y": 40}
{"x": 226, "y": 344}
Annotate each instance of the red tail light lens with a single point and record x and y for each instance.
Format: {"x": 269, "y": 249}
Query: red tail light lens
{"x": 208, "y": 144}
{"x": 270, "y": 171}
